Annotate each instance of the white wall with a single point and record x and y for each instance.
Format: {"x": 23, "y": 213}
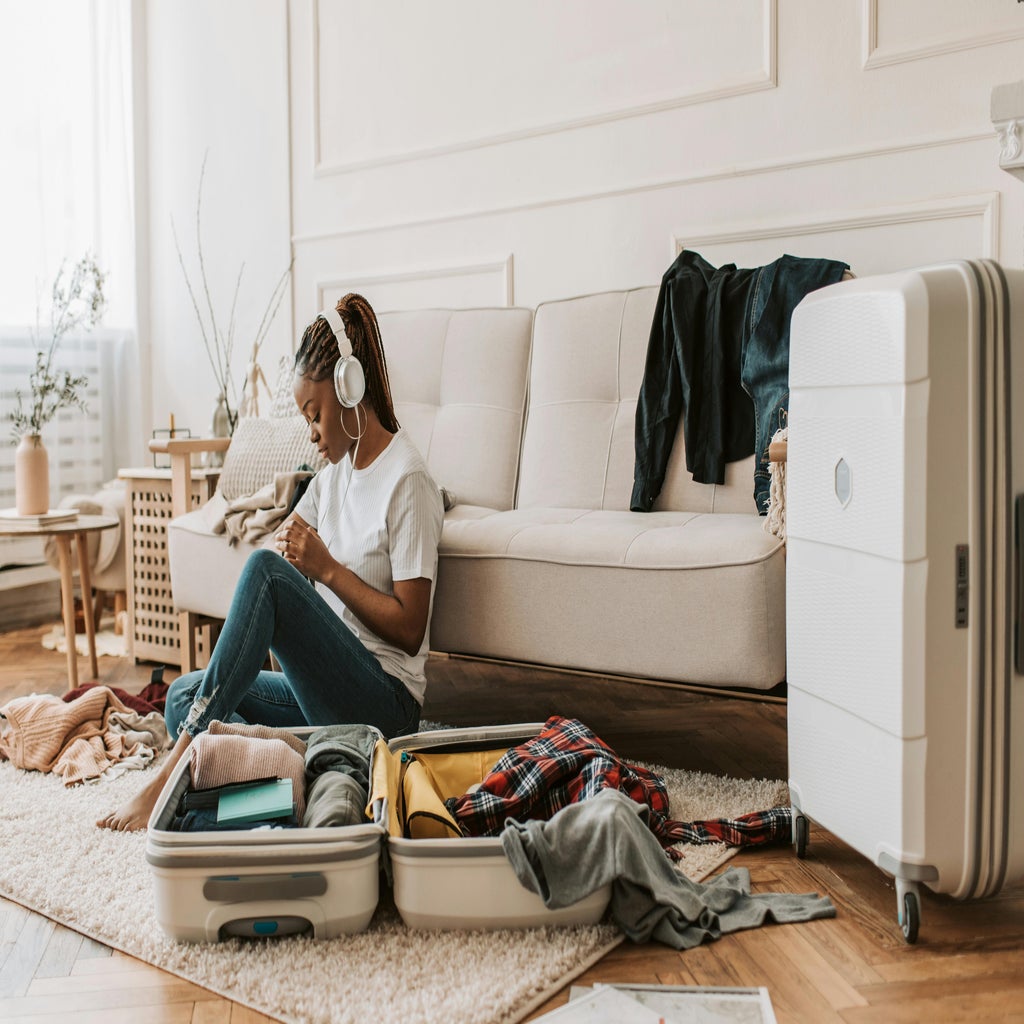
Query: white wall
{"x": 216, "y": 83}
{"x": 463, "y": 154}
{"x": 453, "y": 153}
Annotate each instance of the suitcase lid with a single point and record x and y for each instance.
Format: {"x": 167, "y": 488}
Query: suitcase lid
{"x": 412, "y": 776}
{"x": 472, "y": 737}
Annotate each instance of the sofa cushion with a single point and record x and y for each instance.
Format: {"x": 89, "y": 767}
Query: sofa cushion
{"x": 578, "y": 447}
{"x": 458, "y": 379}
{"x": 696, "y": 598}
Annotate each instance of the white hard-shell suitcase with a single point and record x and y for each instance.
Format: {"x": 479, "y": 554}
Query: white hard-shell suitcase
{"x": 468, "y": 882}
{"x": 904, "y": 585}
{"x": 211, "y": 885}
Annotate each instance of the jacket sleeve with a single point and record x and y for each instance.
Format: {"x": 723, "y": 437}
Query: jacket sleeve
{"x": 659, "y": 405}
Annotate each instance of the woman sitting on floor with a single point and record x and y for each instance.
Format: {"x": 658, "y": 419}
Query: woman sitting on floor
{"x": 353, "y": 646}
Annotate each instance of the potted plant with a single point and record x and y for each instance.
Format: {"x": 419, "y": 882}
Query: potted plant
{"x": 77, "y": 303}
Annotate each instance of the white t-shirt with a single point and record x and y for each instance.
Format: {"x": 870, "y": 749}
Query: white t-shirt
{"x": 384, "y": 523}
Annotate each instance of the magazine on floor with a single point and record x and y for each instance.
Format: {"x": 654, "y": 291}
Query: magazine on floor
{"x": 664, "y": 1004}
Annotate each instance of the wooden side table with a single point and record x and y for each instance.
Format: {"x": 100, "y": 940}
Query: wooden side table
{"x": 152, "y": 498}
{"x": 63, "y": 532}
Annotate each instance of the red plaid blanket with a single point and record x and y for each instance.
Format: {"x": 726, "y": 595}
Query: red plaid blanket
{"x": 566, "y": 763}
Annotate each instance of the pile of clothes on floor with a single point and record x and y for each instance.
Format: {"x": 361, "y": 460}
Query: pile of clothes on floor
{"x": 89, "y": 733}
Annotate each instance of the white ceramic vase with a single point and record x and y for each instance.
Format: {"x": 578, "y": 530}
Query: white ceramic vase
{"x": 31, "y": 476}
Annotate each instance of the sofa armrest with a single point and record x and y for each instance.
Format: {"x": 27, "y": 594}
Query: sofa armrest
{"x": 181, "y": 450}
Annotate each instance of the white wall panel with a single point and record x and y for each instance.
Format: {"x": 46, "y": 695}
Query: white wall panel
{"x": 901, "y": 30}
{"x": 479, "y": 285}
{"x": 461, "y": 75}
{"x": 873, "y": 241}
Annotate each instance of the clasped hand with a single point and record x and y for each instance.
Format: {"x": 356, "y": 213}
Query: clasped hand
{"x": 301, "y": 545}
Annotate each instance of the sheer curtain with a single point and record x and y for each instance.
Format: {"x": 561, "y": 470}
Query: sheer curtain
{"x": 67, "y": 188}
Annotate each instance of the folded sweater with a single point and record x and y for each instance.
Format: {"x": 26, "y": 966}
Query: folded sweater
{"x": 222, "y": 759}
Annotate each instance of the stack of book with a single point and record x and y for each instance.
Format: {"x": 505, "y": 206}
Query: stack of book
{"x": 10, "y": 517}
{"x": 241, "y": 802}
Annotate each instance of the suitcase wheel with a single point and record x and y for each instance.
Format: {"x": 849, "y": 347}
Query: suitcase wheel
{"x": 800, "y": 832}
{"x": 909, "y": 907}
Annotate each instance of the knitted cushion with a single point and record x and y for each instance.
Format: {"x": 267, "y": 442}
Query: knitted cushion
{"x": 260, "y": 449}
{"x": 282, "y": 401}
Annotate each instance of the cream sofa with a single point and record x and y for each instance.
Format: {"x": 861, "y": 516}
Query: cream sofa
{"x": 527, "y": 419}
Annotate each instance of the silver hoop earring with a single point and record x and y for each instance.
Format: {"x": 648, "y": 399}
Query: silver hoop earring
{"x": 360, "y": 425}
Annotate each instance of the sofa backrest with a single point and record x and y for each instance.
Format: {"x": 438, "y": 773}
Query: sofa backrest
{"x": 458, "y": 380}
{"x": 587, "y": 365}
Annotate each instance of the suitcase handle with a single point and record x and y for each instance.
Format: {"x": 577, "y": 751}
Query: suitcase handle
{"x": 1018, "y": 618}
{"x": 237, "y": 888}
{"x": 259, "y": 919}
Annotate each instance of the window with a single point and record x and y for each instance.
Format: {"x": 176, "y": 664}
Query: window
{"x": 66, "y": 188}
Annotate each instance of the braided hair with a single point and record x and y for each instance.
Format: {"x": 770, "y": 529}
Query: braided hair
{"x": 318, "y": 353}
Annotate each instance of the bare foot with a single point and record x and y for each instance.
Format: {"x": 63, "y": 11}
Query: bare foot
{"x": 134, "y": 815}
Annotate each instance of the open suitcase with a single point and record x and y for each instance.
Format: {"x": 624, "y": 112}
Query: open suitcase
{"x": 904, "y": 546}
{"x": 443, "y": 882}
{"x": 211, "y": 885}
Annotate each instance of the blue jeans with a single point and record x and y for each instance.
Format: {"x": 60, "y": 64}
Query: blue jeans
{"x": 328, "y": 677}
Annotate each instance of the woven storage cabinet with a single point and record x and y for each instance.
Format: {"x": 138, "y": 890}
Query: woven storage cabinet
{"x": 153, "y": 632}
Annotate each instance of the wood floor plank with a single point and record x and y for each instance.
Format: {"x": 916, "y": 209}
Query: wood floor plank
{"x": 957, "y": 1007}
{"x": 79, "y": 984}
{"x": 830, "y": 943}
{"x": 110, "y": 967}
{"x": 707, "y": 967}
{"x": 12, "y": 920}
{"x": 211, "y": 1011}
{"x": 794, "y": 944}
{"x": 172, "y": 991}
{"x": 91, "y": 949}
{"x": 172, "y": 1014}
{"x": 23, "y": 960}
{"x": 60, "y": 955}
{"x": 992, "y": 963}
{"x": 244, "y": 1015}
{"x": 793, "y": 992}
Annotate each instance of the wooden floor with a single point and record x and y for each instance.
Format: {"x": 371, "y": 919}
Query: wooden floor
{"x": 967, "y": 965}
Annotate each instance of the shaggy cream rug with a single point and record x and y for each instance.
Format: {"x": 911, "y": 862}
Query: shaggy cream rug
{"x": 54, "y": 860}
{"x": 108, "y": 643}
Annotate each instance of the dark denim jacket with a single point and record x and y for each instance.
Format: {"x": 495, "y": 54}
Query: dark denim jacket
{"x": 719, "y": 356}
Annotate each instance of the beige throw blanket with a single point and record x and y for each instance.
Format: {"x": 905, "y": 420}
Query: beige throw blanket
{"x": 81, "y": 739}
{"x": 251, "y": 518}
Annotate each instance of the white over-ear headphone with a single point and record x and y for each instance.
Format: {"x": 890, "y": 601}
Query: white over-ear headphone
{"x": 349, "y": 379}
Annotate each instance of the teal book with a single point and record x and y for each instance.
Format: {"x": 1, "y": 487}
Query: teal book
{"x": 256, "y": 802}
